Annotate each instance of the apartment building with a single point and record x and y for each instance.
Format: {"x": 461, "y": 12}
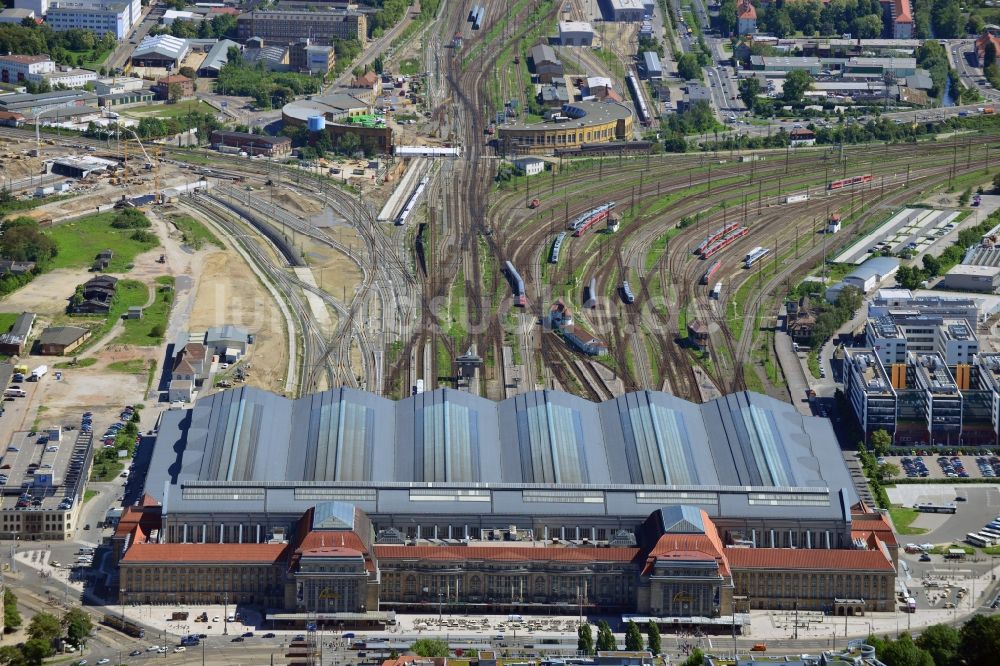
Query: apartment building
{"x": 290, "y": 26}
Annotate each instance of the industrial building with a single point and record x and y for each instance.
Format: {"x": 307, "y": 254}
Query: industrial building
{"x": 80, "y": 166}
{"x": 628, "y": 10}
{"x": 965, "y": 277}
{"x": 252, "y": 144}
{"x": 288, "y": 26}
{"x": 164, "y": 51}
{"x": 866, "y": 277}
{"x": 217, "y": 56}
{"x": 305, "y": 56}
{"x": 923, "y": 400}
{"x": 575, "y": 125}
{"x": 29, "y": 105}
{"x": 651, "y": 67}
{"x": 743, "y": 490}
{"x": 97, "y": 16}
{"x": 899, "y": 302}
{"x": 576, "y": 33}
{"x": 545, "y": 63}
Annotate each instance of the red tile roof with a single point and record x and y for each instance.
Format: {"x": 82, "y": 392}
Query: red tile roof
{"x": 332, "y": 552}
{"x": 330, "y": 539}
{"x": 901, "y": 8}
{"x": 196, "y": 553}
{"x": 507, "y": 553}
{"x": 876, "y": 524}
{"x": 746, "y": 11}
{"x": 791, "y": 558}
{"x": 690, "y": 546}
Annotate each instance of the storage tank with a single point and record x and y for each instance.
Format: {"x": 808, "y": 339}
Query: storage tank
{"x": 317, "y": 123}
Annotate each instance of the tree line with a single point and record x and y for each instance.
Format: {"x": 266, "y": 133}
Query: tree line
{"x": 44, "y": 631}
{"x": 63, "y": 47}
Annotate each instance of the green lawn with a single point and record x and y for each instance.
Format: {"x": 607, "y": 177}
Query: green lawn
{"x": 105, "y": 470}
{"x": 88, "y": 495}
{"x": 91, "y": 60}
{"x": 136, "y": 366}
{"x": 69, "y": 365}
{"x": 80, "y": 240}
{"x": 7, "y": 320}
{"x": 176, "y": 110}
{"x": 409, "y": 67}
{"x": 194, "y": 233}
{"x": 902, "y": 517}
{"x": 129, "y": 293}
{"x": 149, "y": 331}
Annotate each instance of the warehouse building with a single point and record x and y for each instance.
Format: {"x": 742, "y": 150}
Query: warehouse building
{"x": 29, "y": 105}
{"x": 252, "y": 144}
{"x": 164, "y": 51}
{"x": 965, "y": 277}
{"x": 61, "y": 340}
{"x": 576, "y": 33}
{"x": 545, "y": 63}
{"x": 785, "y": 64}
{"x": 575, "y": 125}
{"x": 288, "y": 26}
{"x": 627, "y": 10}
{"x": 216, "y": 58}
{"x": 651, "y": 67}
{"x": 12, "y": 342}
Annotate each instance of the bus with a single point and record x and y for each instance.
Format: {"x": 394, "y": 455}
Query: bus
{"x": 929, "y": 507}
{"x": 978, "y": 540}
{"x": 992, "y": 534}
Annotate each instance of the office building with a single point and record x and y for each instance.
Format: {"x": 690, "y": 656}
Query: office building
{"x": 285, "y": 27}
{"x": 18, "y": 68}
{"x": 98, "y": 16}
{"x": 893, "y": 337}
{"x": 305, "y": 56}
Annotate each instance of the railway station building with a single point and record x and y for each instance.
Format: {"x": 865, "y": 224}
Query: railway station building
{"x": 571, "y": 127}
{"x": 638, "y": 504}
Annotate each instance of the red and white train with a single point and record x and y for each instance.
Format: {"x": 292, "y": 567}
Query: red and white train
{"x": 850, "y": 182}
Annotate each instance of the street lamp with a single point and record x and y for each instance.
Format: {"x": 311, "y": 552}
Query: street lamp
{"x": 225, "y": 613}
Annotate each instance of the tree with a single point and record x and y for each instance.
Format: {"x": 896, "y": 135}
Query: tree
{"x": 189, "y": 71}
{"x": 174, "y": 92}
{"x": 633, "y": 637}
{"x": 157, "y": 331}
{"x": 881, "y": 441}
{"x": 932, "y": 265}
{"x": 749, "y": 89}
{"x": 941, "y": 641}
{"x": 35, "y": 651}
{"x": 585, "y": 639}
{"x": 688, "y": 67}
{"x": 696, "y": 658}
{"x": 430, "y": 647}
{"x": 903, "y": 652}
{"x": 45, "y": 626}
{"x": 348, "y": 143}
{"x": 653, "y": 639}
{"x": 605, "y": 638}
{"x": 11, "y": 616}
{"x": 980, "y": 640}
{"x": 10, "y": 655}
{"x": 888, "y": 471}
{"x": 868, "y": 27}
{"x": 78, "y": 624}
{"x": 797, "y": 83}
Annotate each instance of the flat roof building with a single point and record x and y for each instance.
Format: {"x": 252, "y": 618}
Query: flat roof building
{"x": 253, "y": 144}
{"x": 626, "y": 10}
{"x": 97, "y": 16}
{"x": 965, "y": 277}
{"x": 30, "y": 105}
{"x": 785, "y": 64}
{"x": 287, "y": 26}
{"x": 576, "y": 33}
{"x": 16, "y": 68}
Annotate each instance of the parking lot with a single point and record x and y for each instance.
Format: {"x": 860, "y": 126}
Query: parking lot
{"x": 985, "y": 466}
{"x": 915, "y": 229}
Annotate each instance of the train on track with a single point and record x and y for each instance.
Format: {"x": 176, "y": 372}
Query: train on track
{"x": 585, "y": 221}
{"x": 122, "y": 625}
{"x": 716, "y": 235}
{"x": 850, "y": 182}
{"x": 640, "y": 104}
{"x": 516, "y": 285}
{"x": 755, "y": 255}
{"x": 627, "y": 294}
{"x": 411, "y": 203}
{"x": 556, "y": 247}
{"x": 724, "y": 242}
{"x": 707, "y": 275}
{"x": 477, "y": 15}
{"x": 716, "y": 291}
{"x": 605, "y": 149}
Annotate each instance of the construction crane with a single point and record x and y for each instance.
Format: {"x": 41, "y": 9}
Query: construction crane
{"x": 149, "y": 162}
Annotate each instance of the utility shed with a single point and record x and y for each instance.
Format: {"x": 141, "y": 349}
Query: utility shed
{"x": 651, "y": 67}
{"x": 13, "y": 341}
